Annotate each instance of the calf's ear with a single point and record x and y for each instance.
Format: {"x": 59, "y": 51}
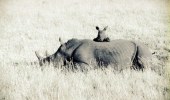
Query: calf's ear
{"x": 97, "y": 28}
{"x": 38, "y": 56}
{"x": 105, "y": 28}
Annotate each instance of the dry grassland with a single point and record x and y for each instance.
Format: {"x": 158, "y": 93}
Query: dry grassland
{"x": 27, "y": 26}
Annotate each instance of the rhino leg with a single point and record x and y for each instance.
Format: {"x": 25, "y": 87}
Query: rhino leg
{"x": 137, "y": 64}
{"x": 118, "y": 68}
{"x": 145, "y": 63}
{"x": 81, "y": 66}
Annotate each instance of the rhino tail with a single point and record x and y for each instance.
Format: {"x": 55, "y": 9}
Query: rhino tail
{"x": 154, "y": 53}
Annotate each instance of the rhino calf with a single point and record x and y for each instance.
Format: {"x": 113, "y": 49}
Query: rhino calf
{"x": 101, "y": 37}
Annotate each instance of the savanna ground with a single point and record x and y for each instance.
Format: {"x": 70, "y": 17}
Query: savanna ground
{"x": 27, "y": 26}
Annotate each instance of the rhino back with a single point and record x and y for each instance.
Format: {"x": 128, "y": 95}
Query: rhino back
{"x": 117, "y": 52}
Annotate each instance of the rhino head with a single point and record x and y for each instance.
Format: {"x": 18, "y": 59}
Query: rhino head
{"x": 101, "y": 37}
{"x": 44, "y": 61}
{"x": 58, "y": 58}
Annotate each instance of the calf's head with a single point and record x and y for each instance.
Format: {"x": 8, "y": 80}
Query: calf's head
{"x": 101, "y": 35}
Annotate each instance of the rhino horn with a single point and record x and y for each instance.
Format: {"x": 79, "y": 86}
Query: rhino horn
{"x": 47, "y": 54}
{"x": 38, "y": 56}
{"x": 97, "y": 28}
{"x": 61, "y": 41}
{"x": 105, "y": 28}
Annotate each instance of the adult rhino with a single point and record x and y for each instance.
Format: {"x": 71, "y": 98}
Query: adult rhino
{"x": 120, "y": 54}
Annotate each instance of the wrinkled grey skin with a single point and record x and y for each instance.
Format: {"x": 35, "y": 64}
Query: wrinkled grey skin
{"x": 101, "y": 37}
{"x": 120, "y": 54}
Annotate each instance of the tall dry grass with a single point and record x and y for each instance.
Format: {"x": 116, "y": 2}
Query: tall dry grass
{"x": 27, "y": 26}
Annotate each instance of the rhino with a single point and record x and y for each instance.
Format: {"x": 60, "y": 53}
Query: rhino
{"x": 101, "y": 37}
{"x": 119, "y": 54}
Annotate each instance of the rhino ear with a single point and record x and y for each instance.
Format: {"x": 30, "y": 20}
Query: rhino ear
{"x": 61, "y": 42}
{"x": 105, "y": 28}
{"x": 97, "y": 28}
{"x": 38, "y": 56}
{"x": 47, "y": 54}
